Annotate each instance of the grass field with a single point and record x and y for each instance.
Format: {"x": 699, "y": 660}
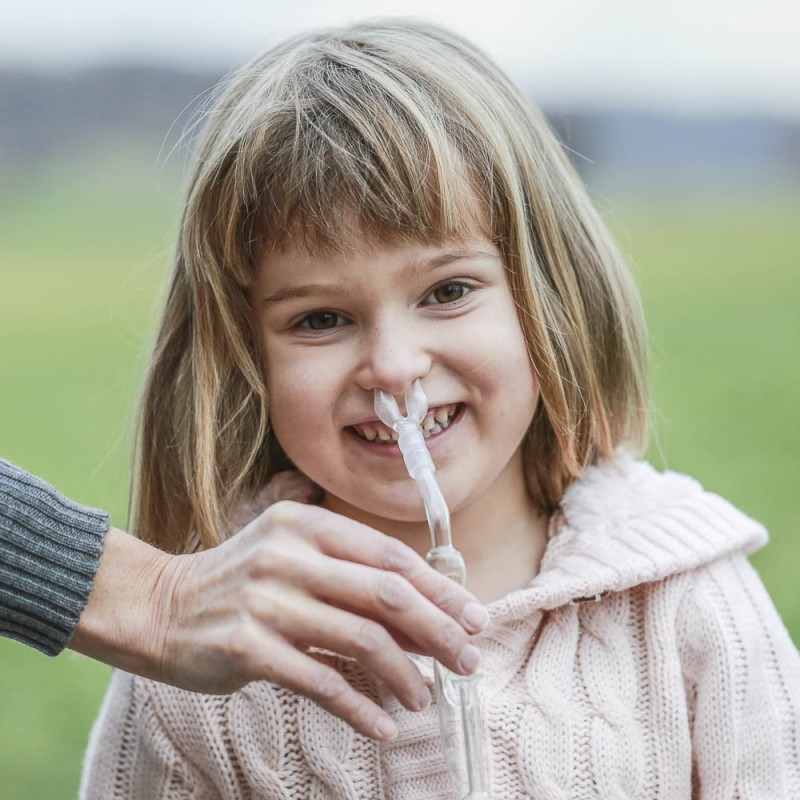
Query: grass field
{"x": 82, "y": 256}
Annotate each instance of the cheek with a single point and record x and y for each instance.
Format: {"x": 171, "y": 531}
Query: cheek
{"x": 516, "y": 384}
{"x": 302, "y": 394}
{"x": 500, "y": 349}
{"x": 290, "y": 397}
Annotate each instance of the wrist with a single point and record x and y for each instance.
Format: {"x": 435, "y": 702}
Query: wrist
{"x": 123, "y": 623}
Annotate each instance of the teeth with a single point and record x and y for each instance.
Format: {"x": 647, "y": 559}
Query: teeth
{"x": 369, "y": 433}
{"x": 434, "y": 423}
{"x": 438, "y": 421}
{"x": 442, "y": 414}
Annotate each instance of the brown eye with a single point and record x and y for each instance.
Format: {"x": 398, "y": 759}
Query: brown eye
{"x": 321, "y": 320}
{"x": 448, "y": 292}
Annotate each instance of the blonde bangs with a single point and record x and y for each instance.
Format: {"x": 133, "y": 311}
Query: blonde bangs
{"x": 341, "y": 148}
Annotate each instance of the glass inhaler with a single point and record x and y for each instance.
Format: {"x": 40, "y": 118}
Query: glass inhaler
{"x": 458, "y": 703}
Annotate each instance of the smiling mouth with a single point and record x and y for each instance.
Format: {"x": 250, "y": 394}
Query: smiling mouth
{"x": 436, "y": 420}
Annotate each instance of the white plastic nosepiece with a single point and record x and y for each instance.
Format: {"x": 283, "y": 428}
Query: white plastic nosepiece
{"x": 416, "y": 402}
{"x": 389, "y": 412}
{"x": 410, "y": 440}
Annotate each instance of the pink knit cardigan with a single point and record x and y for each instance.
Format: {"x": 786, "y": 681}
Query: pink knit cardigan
{"x": 680, "y": 681}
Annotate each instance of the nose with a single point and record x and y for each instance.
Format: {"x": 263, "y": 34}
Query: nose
{"x": 392, "y": 358}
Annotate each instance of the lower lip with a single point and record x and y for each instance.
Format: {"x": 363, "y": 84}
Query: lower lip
{"x": 393, "y": 450}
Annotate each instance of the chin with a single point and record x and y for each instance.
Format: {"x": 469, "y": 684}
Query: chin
{"x": 400, "y": 503}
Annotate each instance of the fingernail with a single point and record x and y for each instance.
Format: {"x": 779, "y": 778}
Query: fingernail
{"x": 385, "y": 728}
{"x": 469, "y": 659}
{"x": 475, "y": 616}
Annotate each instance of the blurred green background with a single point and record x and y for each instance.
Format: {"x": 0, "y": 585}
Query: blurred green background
{"x": 85, "y": 247}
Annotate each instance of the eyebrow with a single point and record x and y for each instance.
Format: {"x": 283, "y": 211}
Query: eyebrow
{"x": 304, "y": 290}
{"x": 413, "y": 271}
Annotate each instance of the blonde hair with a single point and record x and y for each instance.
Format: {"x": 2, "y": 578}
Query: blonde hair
{"x": 399, "y": 126}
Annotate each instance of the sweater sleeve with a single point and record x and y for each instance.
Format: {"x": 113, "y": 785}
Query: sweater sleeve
{"x": 50, "y": 550}
{"x": 743, "y": 686}
{"x": 131, "y": 755}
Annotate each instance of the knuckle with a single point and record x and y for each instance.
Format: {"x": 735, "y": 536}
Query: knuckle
{"x": 261, "y": 662}
{"x": 274, "y": 558}
{"x": 328, "y": 686}
{"x": 263, "y": 608}
{"x": 451, "y": 638}
{"x": 262, "y": 560}
{"x": 281, "y": 515}
{"x": 397, "y": 556}
{"x": 290, "y": 519}
{"x": 394, "y": 592}
{"x": 285, "y": 516}
{"x": 442, "y": 591}
{"x": 238, "y": 648}
{"x": 250, "y": 600}
{"x": 370, "y": 638}
{"x": 235, "y": 647}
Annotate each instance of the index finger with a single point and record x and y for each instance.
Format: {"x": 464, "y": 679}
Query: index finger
{"x": 343, "y": 538}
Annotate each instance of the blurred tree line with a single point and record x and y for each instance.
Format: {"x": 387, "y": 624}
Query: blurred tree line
{"x": 45, "y": 116}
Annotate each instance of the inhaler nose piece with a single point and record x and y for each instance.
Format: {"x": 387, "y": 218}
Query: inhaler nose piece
{"x": 389, "y": 412}
{"x": 416, "y": 402}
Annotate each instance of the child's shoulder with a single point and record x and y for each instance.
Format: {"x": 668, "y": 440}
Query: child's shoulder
{"x": 624, "y": 490}
{"x": 624, "y": 524}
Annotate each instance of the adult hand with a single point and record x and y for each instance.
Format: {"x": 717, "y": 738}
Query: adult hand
{"x": 297, "y": 577}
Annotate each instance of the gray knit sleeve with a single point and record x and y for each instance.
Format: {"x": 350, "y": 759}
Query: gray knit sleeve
{"x": 49, "y": 553}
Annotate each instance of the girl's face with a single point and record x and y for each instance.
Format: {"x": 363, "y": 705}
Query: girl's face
{"x": 335, "y": 328}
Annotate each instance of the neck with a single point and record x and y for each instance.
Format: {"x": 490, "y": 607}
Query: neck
{"x": 501, "y": 534}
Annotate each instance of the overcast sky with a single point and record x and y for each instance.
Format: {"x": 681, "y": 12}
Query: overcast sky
{"x": 689, "y": 55}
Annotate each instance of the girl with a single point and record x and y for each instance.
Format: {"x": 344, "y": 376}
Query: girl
{"x": 373, "y": 206}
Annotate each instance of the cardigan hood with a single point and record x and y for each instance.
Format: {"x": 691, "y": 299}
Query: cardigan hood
{"x": 624, "y": 524}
